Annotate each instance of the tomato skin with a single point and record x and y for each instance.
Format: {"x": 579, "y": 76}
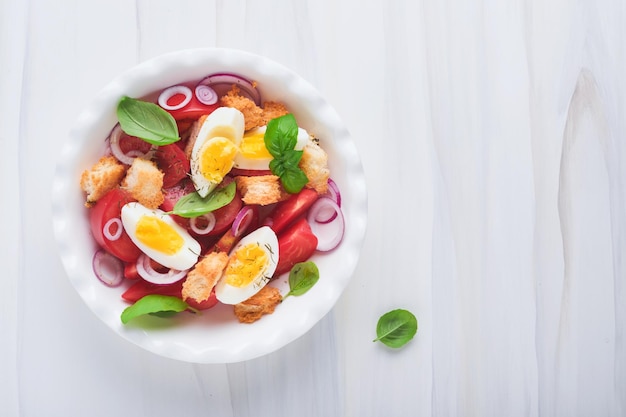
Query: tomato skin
{"x": 142, "y": 288}
{"x": 106, "y": 208}
{"x": 249, "y": 172}
{"x": 171, "y": 159}
{"x": 194, "y": 109}
{"x": 296, "y": 244}
{"x": 294, "y": 207}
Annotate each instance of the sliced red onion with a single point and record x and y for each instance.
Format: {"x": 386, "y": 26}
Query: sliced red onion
{"x": 106, "y": 230}
{"x": 208, "y": 218}
{"x": 328, "y": 234}
{"x": 242, "y": 220}
{"x": 206, "y": 95}
{"x": 223, "y": 82}
{"x": 114, "y": 144}
{"x": 170, "y": 92}
{"x": 333, "y": 191}
{"x": 145, "y": 271}
{"x": 108, "y": 268}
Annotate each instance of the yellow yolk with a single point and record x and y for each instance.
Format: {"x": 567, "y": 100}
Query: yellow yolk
{"x": 216, "y": 158}
{"x": 247, "y": 263}
{"x": 252, "y": 146}
{"x": 158, "y": 235}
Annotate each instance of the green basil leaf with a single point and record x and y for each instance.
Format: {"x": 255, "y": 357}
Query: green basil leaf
{"x": 281, "y": 134}
{"x": 396, "y": 328}
{"x": 292, "y": 158}
{"x": 192, "y": 205}
{"x": 293, "y": 180}
{"x": 147, "y": 121}
{"x": 154, "y": 304}
{"x": 302, "y": 277}
{"x": 277, "y": 167}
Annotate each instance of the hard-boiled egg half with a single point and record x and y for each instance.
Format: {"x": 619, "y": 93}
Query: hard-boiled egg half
{"x": 252, "y": 151}
{"x": 160, "y": 237}
{"x": 215, "y": 148}
{"x": 251, "y": 264}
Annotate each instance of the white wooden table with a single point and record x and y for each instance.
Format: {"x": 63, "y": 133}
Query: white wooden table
{"x": 493, "y": 138}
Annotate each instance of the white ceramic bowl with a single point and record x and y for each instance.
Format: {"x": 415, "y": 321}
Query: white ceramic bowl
{"x": 215, "y": 336}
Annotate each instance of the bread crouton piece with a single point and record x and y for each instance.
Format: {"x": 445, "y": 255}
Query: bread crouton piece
{"x": 193, "y": 135}
{"x": 314, "y": 164}
{"x": 260, "y": 189}
{"x": 144, "y": 181}
{"x": 272, "y": 110}
{"x": 263, "y": 302}
{"x": 103, "y": 176}
{"x": 203, "y": 277}
{"x": 252, "y": 114}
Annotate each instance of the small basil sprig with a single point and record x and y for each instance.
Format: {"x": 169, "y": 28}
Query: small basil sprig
{"x": 396, "y": 328}
{"x": 302, "y": 277}
{"x": 155, "y": 304}
{"x": 281, "y": 136}
{"x": 147, "y": 121}
{"x": 192, "y": 205}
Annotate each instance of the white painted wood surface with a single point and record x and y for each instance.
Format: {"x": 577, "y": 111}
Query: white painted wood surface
{"x": 492, "y": 134}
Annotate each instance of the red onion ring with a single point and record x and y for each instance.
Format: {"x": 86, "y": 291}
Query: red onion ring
{"x": 210, "y": 219}
{"x": 106, "y": 230}
{"x": 114, "y": 144}
{"x": 145, "y": 271}
{"x": 242, "y": 220}
{"x": 170, "y": 92}
{"x": 333, "y": 191}
{"x": 108, "y": 268}
{"x": 329, "y": 234}
{"x": 223, "y": 82}
{"x": 205, "y": 94}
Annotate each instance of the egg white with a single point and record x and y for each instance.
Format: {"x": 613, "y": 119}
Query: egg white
{"x": 267, "y": 240}
{"x": 263, "y": 162}
{"x": 224, "y": 122}
{"x": 183, "y": 259}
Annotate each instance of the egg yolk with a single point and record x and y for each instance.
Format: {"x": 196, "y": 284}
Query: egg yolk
{"x": 158, "y": 235}
{"x": 253, "y": 146}
{"x": 247, "y": 263}
{"x": 216, "y": 158}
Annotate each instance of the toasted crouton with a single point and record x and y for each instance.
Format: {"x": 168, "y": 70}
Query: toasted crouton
{"x": 105, "y": 175}
{"x": 263, "y": 302}
{"x": 314, "y": 163}
{"x": 252, "y": 114}
{"x": 193, "y": 135}
{"x": 203, "y": 277}
{"x": 272, "y": 110}
{"x": 260, "y": 189}
{"x": 144, "y": 181}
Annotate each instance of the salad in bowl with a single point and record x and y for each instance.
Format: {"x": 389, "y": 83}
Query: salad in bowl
{"x": 209, "y": 205}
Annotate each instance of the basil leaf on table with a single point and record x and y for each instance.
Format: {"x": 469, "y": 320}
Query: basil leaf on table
{"x": 302, "y": 277}
{"x": 281, "y": 136}
{"x": 147, "y": 121}
{"x": 192, "y": 205}
{"x": 396, "y": 328}
{"x": 155, "y": 304}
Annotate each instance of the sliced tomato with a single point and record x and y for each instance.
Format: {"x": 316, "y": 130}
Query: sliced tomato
{"x": 296, "y": 244}
{"x": 132, "y": 143}
{"x": 142, "y": 288}
{"x": 130, "y": 270}
{"x": 171, "y": 159}
{"x": 193, "y": 110}
{"x": 288, "y": 211}
{"x": 225, "y": 216}
{"x": 109, "y": 207}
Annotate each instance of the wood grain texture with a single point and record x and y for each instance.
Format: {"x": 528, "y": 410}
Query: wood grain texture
{"x": 492, "y": 138}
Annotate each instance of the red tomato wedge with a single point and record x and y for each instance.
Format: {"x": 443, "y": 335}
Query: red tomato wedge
{"x": 288, "y": 211}
{"x": 296, "y": 244}
{"x": 142, "y": 288}
{"x": 193, "y": 110}
{"x": 171, "y": 159}
{"x": 107, "y": 208}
